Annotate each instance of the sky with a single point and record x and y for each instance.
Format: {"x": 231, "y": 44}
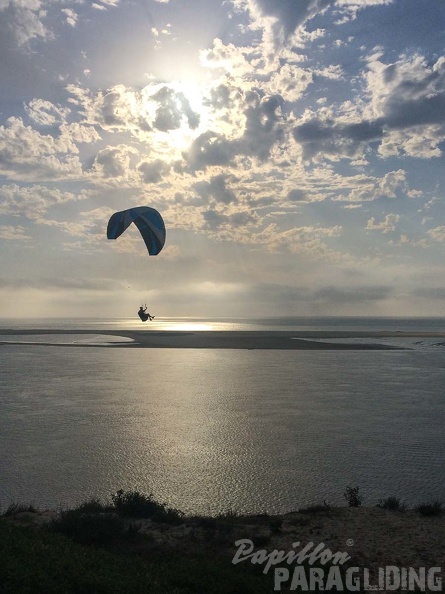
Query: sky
{"x": 294, "y": 148}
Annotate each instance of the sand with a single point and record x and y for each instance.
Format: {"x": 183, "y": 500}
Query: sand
{"x": 285, "y": 340}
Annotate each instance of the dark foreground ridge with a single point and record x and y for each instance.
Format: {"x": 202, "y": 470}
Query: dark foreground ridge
{"x": 284, "y": 340}
{"x": 137, "y": 545}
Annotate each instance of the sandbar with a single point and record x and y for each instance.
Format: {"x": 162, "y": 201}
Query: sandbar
{"x": 250, "y": 340}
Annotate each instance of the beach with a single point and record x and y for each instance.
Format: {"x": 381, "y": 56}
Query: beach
{"x": 269, "y": 339}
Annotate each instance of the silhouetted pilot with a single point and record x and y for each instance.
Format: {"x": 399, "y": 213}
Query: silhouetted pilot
{"x": 144, "y": 315}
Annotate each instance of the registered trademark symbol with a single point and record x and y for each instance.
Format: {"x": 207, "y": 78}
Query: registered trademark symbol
{"x": 350, "y": 542}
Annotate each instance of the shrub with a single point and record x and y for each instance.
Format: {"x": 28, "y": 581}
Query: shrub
{"x": 434, "y": 508}
{"x": 94, "y": 506}
{"x": 315, "y": 509}
{"x": 17, "y": 508}
{"x": 90, "y": 528}
{"x": 392, "y": 503}
{"x": 276, "y": 524}
{"x": 353, "y": 496}
{"x": 133, "y": 504}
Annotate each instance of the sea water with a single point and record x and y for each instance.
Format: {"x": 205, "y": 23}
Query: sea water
{"x": 210, "y": 430}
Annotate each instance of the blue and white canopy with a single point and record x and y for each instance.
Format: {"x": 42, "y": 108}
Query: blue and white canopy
{"x": 147, "y": 220}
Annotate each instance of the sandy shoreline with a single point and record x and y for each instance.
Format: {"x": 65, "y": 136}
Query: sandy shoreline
{"x": 284, "y": 340}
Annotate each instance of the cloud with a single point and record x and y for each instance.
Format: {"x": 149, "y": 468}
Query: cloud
{"x": 25, "y": 154}
{"x": 290, "y": 81}
{"x": 367, "y": 188}
{"x": 171, "y": 107}
{"x": 33, "y": 20}
{"x": 153, "y": 172}
{"x": 281, "y": 18}
{"x": 309, "y": 241}
{"x": 386, "y": 226}
{"x": 24, "y": 20}
{"x": 210, "y": 149}
{"x": 10, "y": 233}
{"x": 263, "y": 129}
{"x": 78, "y": 134}
{"x": 113, "y": 161}
{"x": 438, "y": 233}
{"x": 430, "y": 292}
{"x": 34, "y": 202}
{"x": 71, "y": 16}
{"x": 45, "y": 113}
{"x": 352, "y": 295}
{"x": 216, "y": 188}
{"x": 404, "y": 113}
{"x": 296, "y": 195}
{"x": 214, "y": 220}
{"x": 348, "y": 9}
{"x": 122, "y": 109}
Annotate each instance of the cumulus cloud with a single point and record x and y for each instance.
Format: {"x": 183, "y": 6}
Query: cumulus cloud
{"x": 152, "y": 172}
{"x": 71, "y": 16}
{"x": 296, "y": 195}
{"x": 386, "y": 226}
{"x": 263, "y": 129}
{"x": 123, "y": 109}
{"x": 367, "y": 188}
{"x": 216, "y": 188}
{"x": 46, "y": 113}
{"x": 78, "y": 134}
{"x": 171, "y": 107}
{"x": 281, "y": 18}
{"x": 27, "y": 154}
{"x": 24, "y": 20}
{"x": 210, "y": 148}
{"x": 33, "y": 20}
{"x": 404, "y": 113}
{"x": 290, "y": 81}
{"x": 214, "y": 220}
{"x": 33, "y": 202}
{"x": 307, "y": 241}
{"x": 10, "y": 233}
{"x": 438, "y": 233}
{"x": 113, "y": 161}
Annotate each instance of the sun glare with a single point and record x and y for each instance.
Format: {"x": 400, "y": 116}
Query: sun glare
{"x": 178, "y": 113}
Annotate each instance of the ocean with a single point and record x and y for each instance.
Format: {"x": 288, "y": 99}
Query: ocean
{"x": 208, "y": 431}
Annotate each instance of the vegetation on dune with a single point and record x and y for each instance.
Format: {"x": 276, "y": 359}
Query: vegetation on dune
{"x": 392, "y": 503}
{"x": 435, "y": 508}
{"x": 106, "y": 548}
{"x": 36, "y": 560}
{"x": 100, "y": 548}
{"x": 133, "y": 504}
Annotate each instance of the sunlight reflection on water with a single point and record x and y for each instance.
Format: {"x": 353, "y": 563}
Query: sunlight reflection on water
{"x": 208, "y": 430}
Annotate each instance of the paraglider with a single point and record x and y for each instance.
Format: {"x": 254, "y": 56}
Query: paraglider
{"x": 151, "y": 227}
{"x": 147, "y": 220}
{"x": 144, "y": 315}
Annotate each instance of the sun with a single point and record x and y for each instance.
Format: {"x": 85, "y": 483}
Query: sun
{"x": 177, "y": 113}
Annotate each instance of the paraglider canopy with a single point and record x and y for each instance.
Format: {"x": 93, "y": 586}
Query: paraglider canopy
{"x": 147, "y": 220}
